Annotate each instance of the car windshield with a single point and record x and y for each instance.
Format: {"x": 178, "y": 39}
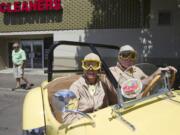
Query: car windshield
{"x": 134, "y": 87}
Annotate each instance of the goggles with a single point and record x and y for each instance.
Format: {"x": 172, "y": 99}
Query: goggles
{"x": 91, "y": 64}
{"x": 128, "y": 55}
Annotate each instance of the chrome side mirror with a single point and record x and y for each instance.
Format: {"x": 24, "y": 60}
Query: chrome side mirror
{"x": 64, "y": 98}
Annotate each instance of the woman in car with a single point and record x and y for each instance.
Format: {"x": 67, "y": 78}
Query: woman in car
{"x": 90, "y": 91}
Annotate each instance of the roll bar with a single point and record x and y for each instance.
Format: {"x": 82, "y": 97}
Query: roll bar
{"x": 92, "y": 46}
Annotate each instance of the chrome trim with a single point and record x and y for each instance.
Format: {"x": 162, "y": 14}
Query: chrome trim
{"x": 115, "y": 110}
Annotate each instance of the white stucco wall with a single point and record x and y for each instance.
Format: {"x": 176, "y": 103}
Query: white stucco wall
{"x": 109, "y": 36}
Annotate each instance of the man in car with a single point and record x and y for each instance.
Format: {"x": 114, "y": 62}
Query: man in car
{"x": 125, "y": 70}
{"x": 90, "y": 91}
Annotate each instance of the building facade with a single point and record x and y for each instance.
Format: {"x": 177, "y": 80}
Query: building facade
{"x": 152, "y": 27}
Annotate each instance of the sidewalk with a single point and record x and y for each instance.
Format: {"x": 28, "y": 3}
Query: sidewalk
{"x": 7, "y": 80}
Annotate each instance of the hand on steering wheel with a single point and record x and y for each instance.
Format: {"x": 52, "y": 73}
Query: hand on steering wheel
{"x": 150, "y": 86}
{"x": 157, "y": 77}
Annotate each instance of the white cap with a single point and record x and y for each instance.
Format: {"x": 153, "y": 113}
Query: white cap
{"x": 126, "y": 48}
{"x": 92, "y": 56}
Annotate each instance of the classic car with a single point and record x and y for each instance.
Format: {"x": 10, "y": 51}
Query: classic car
{"x": 153, "y": 110}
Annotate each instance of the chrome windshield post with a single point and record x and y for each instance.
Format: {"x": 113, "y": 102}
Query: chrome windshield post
{"x": 117, "y": 114}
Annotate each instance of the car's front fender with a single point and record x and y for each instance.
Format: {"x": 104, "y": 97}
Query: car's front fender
{"x": 33, "y": 114}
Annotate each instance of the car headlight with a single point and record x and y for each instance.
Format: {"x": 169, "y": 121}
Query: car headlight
{"x": 35, "y": 131}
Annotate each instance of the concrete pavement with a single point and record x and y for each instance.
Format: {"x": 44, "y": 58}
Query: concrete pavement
{"x": 7, "y": 80}
{"x": 11, "y": 102}
{"x": 11, "y": 112}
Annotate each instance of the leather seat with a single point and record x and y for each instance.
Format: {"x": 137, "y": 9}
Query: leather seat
{"x": 56, "y": 85}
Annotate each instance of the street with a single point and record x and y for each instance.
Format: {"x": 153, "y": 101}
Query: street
{"x": 11, "y": 102}
{"x": 11, "y": 112}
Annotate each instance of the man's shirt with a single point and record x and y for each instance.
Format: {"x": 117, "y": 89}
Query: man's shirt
{"x": 122, "y": 76}
{"x": 18, "y": 57}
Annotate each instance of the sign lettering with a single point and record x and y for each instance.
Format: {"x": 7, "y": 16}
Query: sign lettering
{"x": 28, "y": 6}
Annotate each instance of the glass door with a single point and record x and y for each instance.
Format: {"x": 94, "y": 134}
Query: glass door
{"x": 38, "y": 54}
{"x": 27, "y": 47}
{"x": 34, "y": 53}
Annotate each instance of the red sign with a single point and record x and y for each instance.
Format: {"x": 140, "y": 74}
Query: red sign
{"x": 28, "y": 6}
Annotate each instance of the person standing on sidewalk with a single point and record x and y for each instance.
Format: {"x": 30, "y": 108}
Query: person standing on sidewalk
{"x": 18, "y": 60}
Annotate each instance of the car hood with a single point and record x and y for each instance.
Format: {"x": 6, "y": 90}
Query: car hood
{"x": 157, "y": 116}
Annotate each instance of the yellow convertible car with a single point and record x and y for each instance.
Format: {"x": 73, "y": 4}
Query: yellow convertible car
{"x": 153, "y": 110}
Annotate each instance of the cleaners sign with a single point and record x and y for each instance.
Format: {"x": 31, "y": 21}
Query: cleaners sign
{"x": 31, "y": 5}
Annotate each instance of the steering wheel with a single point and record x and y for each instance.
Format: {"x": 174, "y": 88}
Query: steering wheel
{"x": 152, "y": 83}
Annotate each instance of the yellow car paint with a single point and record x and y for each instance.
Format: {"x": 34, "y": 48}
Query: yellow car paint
{"x": 157, "y": 116}
{"x": 33, "y": 116}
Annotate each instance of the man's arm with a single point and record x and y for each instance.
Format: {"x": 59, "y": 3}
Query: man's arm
{"x": 159, "y": 71}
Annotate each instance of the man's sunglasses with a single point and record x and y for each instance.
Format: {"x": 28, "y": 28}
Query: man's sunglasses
{"x": 128, "y": 55}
